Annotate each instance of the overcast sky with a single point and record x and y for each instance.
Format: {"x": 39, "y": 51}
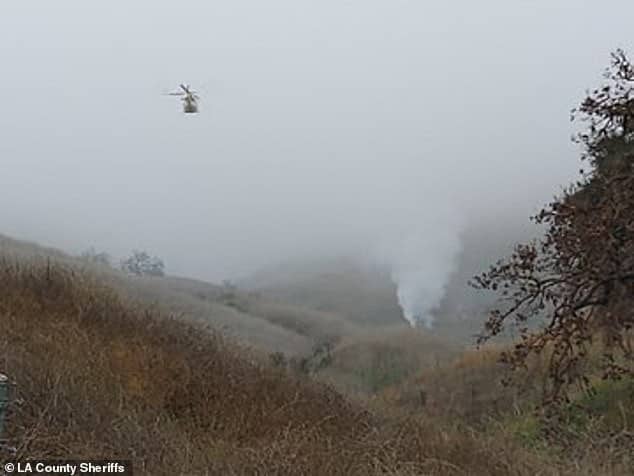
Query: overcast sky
{"x": 325, "y": 125}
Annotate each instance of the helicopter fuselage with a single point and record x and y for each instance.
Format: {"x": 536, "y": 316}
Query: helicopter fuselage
{"x": 189, "y": 105}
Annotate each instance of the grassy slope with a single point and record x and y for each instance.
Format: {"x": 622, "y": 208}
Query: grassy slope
{"x": 593, "y": 430}
{"x": 264, "y": 324}
{"x": 368, "y": 363}
{"x": 184, "y": 298}
{"x": 275, "y": 319}
{"x": 97, "y": 376}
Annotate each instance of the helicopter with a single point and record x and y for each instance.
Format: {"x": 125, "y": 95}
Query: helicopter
{"x": 189, "y": 98}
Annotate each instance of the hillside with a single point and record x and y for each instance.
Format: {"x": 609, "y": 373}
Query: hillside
{"x": 292, "y": 306}
{"x": 95, "y": 374}
{"x": 362, "y": 294}
{"x": 265, "y": 324}
{"x": 461, "y": 313}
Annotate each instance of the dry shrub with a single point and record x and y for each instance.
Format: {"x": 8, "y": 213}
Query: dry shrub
{"x": 471, "y": 388}
{"x": 370, "y": 362}
{"x": 99, "y": 377}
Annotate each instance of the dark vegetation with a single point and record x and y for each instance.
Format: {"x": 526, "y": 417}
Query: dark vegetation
{"x": 577, "y": 282}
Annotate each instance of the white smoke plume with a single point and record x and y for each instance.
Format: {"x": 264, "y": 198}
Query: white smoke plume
{"x": 421, "y": 261}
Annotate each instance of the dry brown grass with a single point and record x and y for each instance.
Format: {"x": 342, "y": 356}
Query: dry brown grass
{"x": 99, "y": 377}
{"x": 469, "y": 387}
{"x": 367, "y": 362}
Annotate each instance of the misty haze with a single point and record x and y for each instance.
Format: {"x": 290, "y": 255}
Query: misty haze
{"x": 313, "y": 187}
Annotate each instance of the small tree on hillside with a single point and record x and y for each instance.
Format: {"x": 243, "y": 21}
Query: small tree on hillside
{"x": 140, "y": 263}
{"x": 579, "y": 278}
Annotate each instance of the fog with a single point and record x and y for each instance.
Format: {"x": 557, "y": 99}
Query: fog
{"x": 325, "y": 127}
